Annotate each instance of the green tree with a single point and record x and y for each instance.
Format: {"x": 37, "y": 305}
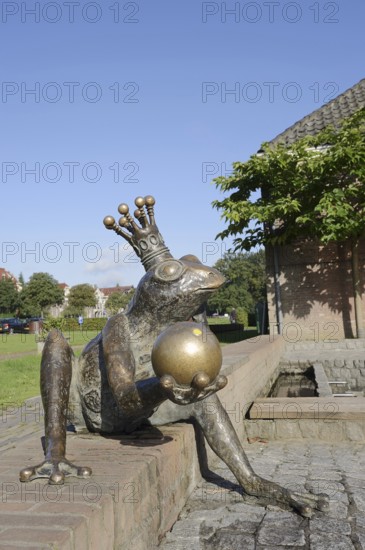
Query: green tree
{"x": 80, "y": 297}
{"x": 9, "y": 296}
{"x": 314, "y": 189}
{"x": 39, "y": 293}
{"x": 117, "y": 301}
{"x": 246, "y": 287}
{"x": 21, "y": 279}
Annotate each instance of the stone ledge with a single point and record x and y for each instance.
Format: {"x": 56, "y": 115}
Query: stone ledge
{"x": 306, "y": 429}
{"x": 138, "y": 487}
{"x": 310, "y": 408}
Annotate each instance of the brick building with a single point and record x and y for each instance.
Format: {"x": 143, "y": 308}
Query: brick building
{"x": 310, "y": 289}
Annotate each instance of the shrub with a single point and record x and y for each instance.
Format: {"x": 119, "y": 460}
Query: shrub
{"x": 242, "y": 316}
{"x": 70, "y": 324}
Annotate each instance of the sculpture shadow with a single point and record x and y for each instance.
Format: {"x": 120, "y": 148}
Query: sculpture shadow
{"x": 145, "y": 436}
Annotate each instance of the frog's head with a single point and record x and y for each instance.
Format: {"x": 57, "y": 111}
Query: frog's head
{"x": 174, "y": 290}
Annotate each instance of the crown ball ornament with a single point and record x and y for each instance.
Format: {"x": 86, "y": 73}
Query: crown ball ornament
{"x": 189, "y": 353}
{"x": 123, "y": 208}
{"x": 109, "y": 222}
{"x": 144, "y": 236}
{"x": 139, "y": 202}
{"x": 150, "y": 201}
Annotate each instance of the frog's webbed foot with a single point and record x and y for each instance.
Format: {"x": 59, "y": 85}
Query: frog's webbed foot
{"x": 305, "y": 503}
{"x": 55, "y": 470}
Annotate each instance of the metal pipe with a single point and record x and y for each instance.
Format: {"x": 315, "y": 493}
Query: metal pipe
{"x": 279, "y": 313}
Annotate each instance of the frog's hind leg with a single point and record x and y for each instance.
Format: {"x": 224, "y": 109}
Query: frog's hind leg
{"x": 56, "y": 373}
{"x": 222, "y": 438}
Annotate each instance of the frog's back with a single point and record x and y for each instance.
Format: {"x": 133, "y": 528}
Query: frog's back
{"x": 98, "y": 405}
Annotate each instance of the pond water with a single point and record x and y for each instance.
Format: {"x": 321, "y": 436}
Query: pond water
{"x": 294, "y": 384}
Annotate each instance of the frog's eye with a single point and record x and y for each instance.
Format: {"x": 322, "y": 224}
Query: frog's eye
{"x": 191, "y": 258}
{"x": 169, "y": 270}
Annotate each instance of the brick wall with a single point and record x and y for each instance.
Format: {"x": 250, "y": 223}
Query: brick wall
{"x": 316, "y": 290}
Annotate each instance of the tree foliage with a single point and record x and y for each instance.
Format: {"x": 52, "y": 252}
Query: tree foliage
{"x": 9, "y": 296}
{"x": 315, "y": 188}
{"x": 118, "y": 301}
{"x": 41, "y": 291}
{"x": 246, "y": 273}
{"x": 80, "y": 297}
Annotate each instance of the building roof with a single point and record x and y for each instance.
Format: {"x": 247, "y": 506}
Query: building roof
{"x": 111, "y": 290}
{"x": 331, "y": 113}
{"x": 6, "y": 274}
{"x": 63, "y": 285}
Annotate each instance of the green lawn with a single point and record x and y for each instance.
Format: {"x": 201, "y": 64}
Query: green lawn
{"x": 218, "y": 321}
{"x": 19, "y": 380}
{"x": 18, "y": 343}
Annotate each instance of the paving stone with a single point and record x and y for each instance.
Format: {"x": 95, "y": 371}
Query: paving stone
{"x": 245, "y": 523}
{"x": 359, "y": 523}
{"x": 282, "y": 529}
{"x": 330, "y": 487}
{"x": 327, "y": 541}
{"x": 360, "y": 541}
{"x": 337, "y": 509}
{"x": 186, "y": 528}
{"x": 359, "y": 498}
{"x": 330, "y": 475}
{"x": 188, "y": 544}
{"x": 330, "y": 525}
{"x": 252, "y": 513}
{"x": 223, "y": 540}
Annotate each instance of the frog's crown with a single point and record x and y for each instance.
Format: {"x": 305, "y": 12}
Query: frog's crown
{"x": 145, "y": 238}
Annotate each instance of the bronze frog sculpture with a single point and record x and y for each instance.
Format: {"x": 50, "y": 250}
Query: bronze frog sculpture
{"x": 112, "y": 388}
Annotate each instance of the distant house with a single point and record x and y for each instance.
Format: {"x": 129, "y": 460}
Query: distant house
{"x": 56, "y": 310}
{"x": 310, "y": 291}
{"x": 102, "y": 294}
{"x": 4, "y": 274}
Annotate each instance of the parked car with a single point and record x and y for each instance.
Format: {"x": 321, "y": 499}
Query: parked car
{"x": 4, "y": 326}
{"x": 13, "y": 325}
{"x": 18, "y": 326}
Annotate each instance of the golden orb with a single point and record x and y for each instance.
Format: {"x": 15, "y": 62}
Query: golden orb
{"x": 185, "y": 350}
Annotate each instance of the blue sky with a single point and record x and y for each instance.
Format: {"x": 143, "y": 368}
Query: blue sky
{"x": 133, "y": 98}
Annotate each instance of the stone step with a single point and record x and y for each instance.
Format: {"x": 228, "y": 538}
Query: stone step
{"x": 313, "y": 408}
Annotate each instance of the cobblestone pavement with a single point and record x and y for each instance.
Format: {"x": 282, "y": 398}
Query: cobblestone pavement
{"x": 217, "y": 516}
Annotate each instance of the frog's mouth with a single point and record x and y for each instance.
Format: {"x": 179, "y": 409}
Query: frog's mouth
{"x": 205, "y": 290}
{"x": 212, "y": 288}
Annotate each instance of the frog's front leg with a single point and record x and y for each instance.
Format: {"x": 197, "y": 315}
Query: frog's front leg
{"x": 56, "y": 372}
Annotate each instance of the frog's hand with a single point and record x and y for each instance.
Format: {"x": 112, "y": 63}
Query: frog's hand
{"x": 56, "y": 372}
{"x": 199, "y": 389}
